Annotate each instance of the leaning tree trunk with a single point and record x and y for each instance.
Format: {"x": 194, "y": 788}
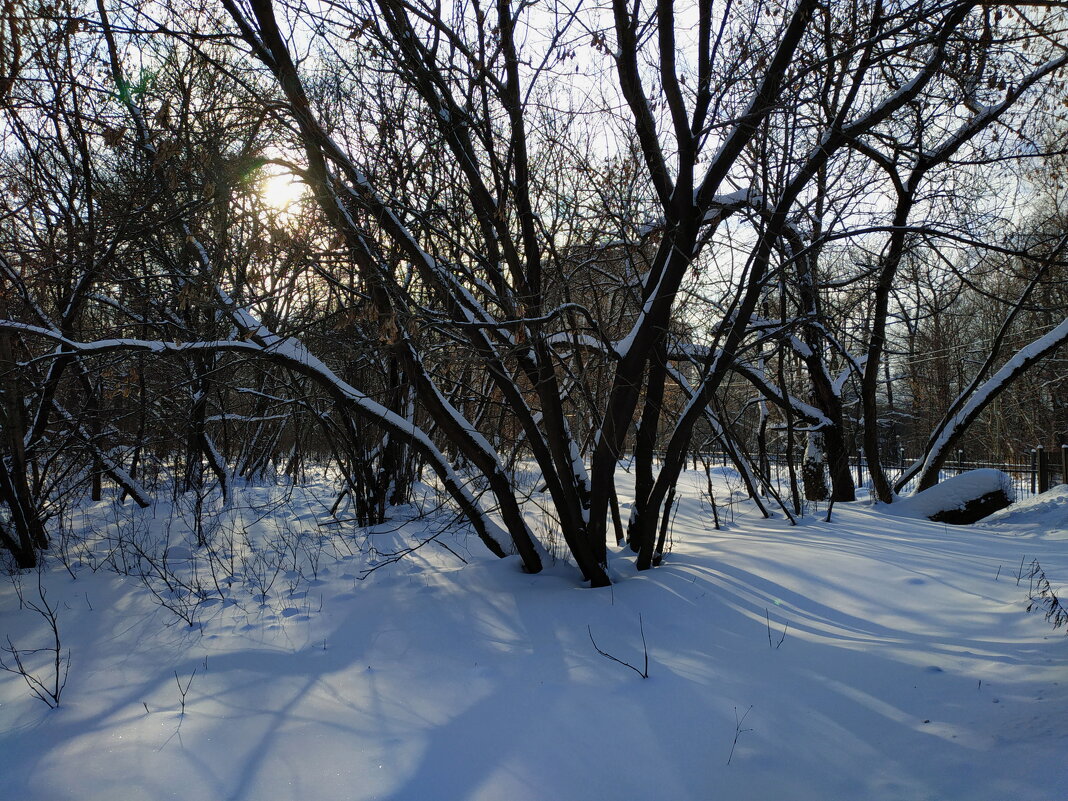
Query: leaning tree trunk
{"x": 966, "y": 409}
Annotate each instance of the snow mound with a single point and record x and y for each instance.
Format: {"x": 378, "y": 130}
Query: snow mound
{"x": 1046, "y": 513}
{"x": 954, "y": 494}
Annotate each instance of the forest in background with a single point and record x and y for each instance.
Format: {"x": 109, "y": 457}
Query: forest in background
{"x": 525, "y": 236}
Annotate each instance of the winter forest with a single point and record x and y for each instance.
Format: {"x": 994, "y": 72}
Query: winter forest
{"x": 538, "y": 399}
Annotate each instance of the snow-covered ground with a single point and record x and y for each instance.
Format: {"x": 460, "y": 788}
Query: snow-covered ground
{"x": 872, "y": 657}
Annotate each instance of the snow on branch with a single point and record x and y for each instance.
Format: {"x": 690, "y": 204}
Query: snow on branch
{"x": 292, "y": 354}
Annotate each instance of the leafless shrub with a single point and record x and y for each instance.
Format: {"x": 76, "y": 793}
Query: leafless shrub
{"x": 1041, "y": 595}
{"x": 48, "y": 682}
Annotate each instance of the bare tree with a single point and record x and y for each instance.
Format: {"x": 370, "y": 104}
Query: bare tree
{"x": 477, "y": 283}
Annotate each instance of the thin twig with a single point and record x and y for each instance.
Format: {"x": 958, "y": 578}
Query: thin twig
{"x": 643, "y": 673}
{"x": 738, "y": 730}
{"x": 782, "y": 638}
{"x": 182, "y": 691}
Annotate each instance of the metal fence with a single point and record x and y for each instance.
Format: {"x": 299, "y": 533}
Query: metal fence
{"x": 1031, "y": 472}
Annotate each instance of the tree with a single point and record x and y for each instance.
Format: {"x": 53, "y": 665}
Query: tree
{"x": 802, "y": 148}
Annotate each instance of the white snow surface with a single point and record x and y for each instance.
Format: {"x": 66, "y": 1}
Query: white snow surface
{"x": 908, "y": 667}
{"x": 1045, "y": 514}
{"x": 953, "y": 493}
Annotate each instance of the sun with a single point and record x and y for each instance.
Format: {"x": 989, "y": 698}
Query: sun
{"x": 281, "y": 191}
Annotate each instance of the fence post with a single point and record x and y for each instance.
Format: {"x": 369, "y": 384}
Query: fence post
{"x": 1034, "y": 469}
{"x": 1043, "y": 469}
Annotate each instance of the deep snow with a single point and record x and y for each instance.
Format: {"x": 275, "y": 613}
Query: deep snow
{"x": 909, "y": 668}
{"x": 953, "y": 493}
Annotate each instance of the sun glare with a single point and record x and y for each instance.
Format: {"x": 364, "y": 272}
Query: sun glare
{"x": 280, "y": 192}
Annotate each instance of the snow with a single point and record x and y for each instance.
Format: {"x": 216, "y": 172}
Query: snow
{"x": 812, "y": 452}
{"x": 995, "y": 384}
{"x": 730, "y": 202}
{"x": 111, "y": 461}
{"x": 909, "y": 668}
{"x": 1046, "y": 514}
{"x": 623, "y": 346}
{"x": 954, "y": 493}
